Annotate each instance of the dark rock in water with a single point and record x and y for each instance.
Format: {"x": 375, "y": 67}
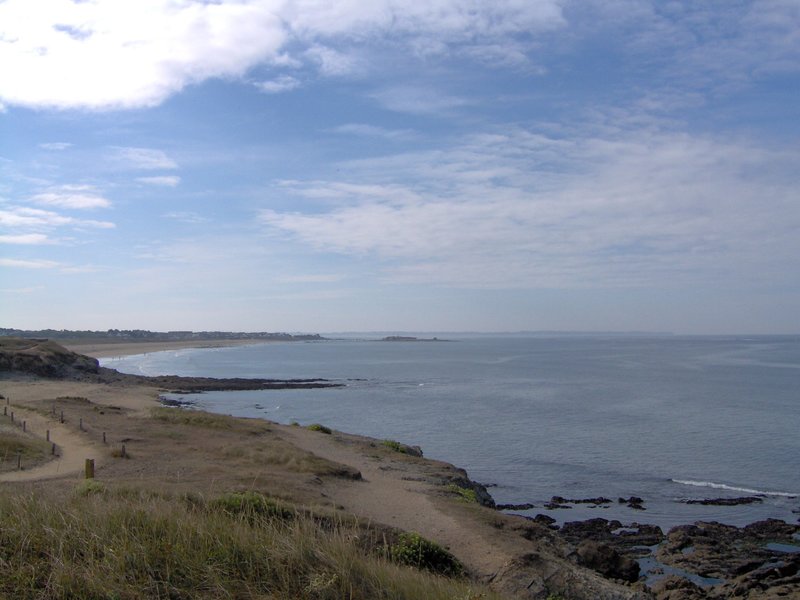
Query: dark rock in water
{"x": 554, "y": 506}
{"x": 544, "y": 520}
{"x": 633, "y": 540}
{"x": 598, "y": 500}
{"x": 633, "y": 502}
{"x": 725, "y": 501}
{"x": 176, "y": 403}
{"x": 526, "y": 506}
{"x": 607, "y": 561}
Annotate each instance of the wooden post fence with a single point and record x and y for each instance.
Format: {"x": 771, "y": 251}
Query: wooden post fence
{"x": 89, "y": 468}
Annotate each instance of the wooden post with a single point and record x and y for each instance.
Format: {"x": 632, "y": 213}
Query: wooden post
{"x": 5, "y": 411}
{"x": 24, "y": 426}
{"x": 104, "y": 437}
{"x": 123, "y": 454}
{"x": 89, "y": 468}
{"x": 19, "y": 462}
{"x": 48, "y": 435}
{"x": 53, "y": 449}
{"x": 62, "y": 416}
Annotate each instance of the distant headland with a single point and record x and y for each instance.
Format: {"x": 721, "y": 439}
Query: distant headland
{"x": 143, "y": 335}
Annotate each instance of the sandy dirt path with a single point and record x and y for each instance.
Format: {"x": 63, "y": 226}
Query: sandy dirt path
{"x": 71, "y": 447}
{"x": 388, "y": 495}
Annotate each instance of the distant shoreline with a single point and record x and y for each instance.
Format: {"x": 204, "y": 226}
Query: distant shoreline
{"x": 111, "y": 349}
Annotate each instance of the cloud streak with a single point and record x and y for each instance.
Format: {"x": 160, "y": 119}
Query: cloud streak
{"x": 521, "y": 209}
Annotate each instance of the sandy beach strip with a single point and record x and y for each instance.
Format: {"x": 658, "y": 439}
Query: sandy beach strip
{"x": 101, "y": 349}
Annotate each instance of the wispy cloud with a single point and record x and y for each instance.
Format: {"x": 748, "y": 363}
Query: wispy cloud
{"x": 33, "y": 239}
{"x": 26, "y": 217}
{"x": 419, "y": 100}
{"x": 56, "y": 146}
{"x": 142, "y": 158}
{"x": 72, "y": 196}
{"x": 163, "y": 180}
{"x": 28, "y": 264}
{"x": 521, "y": 209}
{"x": 366, "y": 130}
{"x": 284, "y": 83}
{"x": 186, "y": 217}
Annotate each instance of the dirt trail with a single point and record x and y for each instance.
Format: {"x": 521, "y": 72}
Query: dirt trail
{"x": 72, "y": 449}
{"x": 389, "y": 496}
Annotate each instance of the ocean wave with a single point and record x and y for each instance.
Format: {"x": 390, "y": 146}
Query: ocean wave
{"x": 731, "y": 488}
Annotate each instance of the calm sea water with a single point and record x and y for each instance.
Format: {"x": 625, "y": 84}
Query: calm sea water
{"x": 663, "y": 418}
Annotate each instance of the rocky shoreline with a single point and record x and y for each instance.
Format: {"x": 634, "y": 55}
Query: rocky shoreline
{"x": 688, "y": 562}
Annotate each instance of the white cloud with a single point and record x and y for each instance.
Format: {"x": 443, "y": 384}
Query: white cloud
{"x": 28, "y": 264}
{"x": 78, "y": 197}
{"x": 284, "y": 83}
{"x": 334, "y": 63}
{"x": 56, "y": 146}
{"x": 106, "y": 54}
{"x": 363, "y": 129}
{"x": 142, "y": 158}
{"x": 25, "y": 217}
{"x": 186, "y": 217}
{"x": 521, "y": 209}
{"x": 164, "y": 180}
{"x": 418, "y": 100}
{"x": 26, "y": 239}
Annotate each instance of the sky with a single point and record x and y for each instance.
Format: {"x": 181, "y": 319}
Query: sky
{"x": 390, "y": 165}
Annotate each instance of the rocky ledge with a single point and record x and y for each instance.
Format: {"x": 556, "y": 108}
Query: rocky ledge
{"x": 45, "y": 358}
{"x": 693, "y": 562}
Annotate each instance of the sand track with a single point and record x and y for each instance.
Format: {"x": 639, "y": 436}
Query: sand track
{"x": 72, "y": 449}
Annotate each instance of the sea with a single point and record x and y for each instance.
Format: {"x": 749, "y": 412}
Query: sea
{"x": 668, "y": 419}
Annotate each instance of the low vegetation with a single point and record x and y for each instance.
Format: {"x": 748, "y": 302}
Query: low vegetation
{"x": 416, "y": 551}
{"x": 19, "y": 448}
{"x": 105, "y": 543}
{"x": 197, "y": 418}
{"x": 320, "y": 428}
{"x": 465, "y": 494}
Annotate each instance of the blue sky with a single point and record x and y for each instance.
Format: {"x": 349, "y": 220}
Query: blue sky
{"x": 391, "y": 165}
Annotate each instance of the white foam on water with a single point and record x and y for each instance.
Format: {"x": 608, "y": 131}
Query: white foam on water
{"x": 731, "y": 488}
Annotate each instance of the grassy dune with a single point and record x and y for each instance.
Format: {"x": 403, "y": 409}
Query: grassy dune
{"x": 102, "y": 542}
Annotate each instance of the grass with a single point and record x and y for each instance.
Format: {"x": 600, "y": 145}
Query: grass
{"x": 196, "y": 418}
{"x": 13, "y": 443}
{"x": 465, "y": 494}
{"x": 320, "y": 428}
{"x": 98, "y": 543}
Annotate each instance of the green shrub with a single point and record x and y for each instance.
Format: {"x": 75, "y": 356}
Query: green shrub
{"x": 466, "y": 494}
{"x": 320, "y": 428}
{"x": 394, "y": 445}
{"x": 414, "y": 550}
